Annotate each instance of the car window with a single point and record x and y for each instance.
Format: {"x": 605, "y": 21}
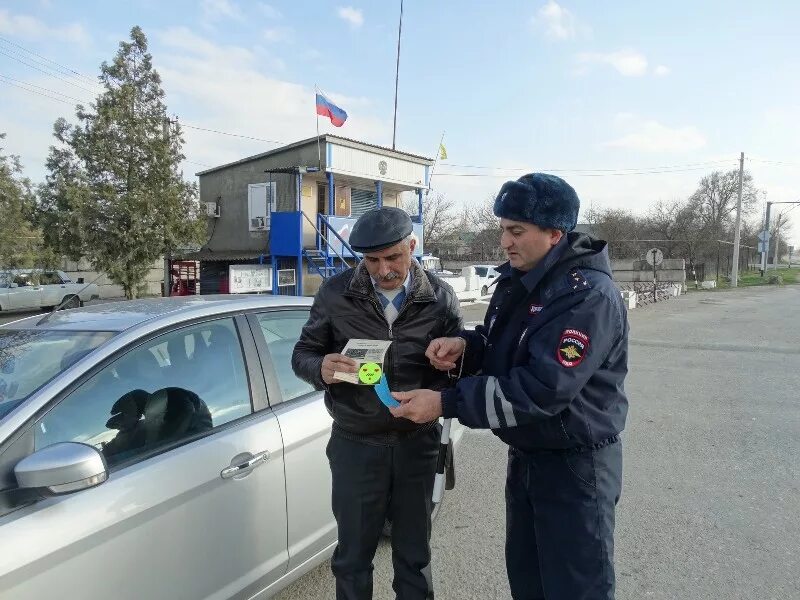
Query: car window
{"x": 281, "y": 331}
{"x": 480, "y": 271}
{"x": 170, "y": 388}
{"x": 49, "y": 279}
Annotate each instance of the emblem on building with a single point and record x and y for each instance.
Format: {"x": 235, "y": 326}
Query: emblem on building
{"x": 383, "y": 167}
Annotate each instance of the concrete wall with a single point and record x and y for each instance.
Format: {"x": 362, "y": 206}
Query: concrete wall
{"x": 108, "y": 289}
{"x": 671, "y": 270}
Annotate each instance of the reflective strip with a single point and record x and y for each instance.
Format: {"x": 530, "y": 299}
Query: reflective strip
{"x": 491, "y": 412}
{"x": 508, "y": 409}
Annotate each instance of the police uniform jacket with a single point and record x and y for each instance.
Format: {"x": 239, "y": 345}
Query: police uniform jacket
{"x": 551, "y": 356}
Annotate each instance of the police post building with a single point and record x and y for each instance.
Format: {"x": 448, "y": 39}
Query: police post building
{"x": 279, "y": 222}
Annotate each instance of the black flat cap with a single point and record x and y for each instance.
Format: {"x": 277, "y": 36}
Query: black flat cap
{"x": 380, "y": 228}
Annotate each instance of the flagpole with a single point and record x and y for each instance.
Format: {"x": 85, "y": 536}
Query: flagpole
{"x": 397, "y": 75}
{"x": 435, "y": 162}
{"x": 319, "y": 151}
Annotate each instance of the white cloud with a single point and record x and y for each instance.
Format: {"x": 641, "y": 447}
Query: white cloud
{"x": 662, "y": 71}
{"x": 269, "y": 11}
{"x": 25, "y": 26}
{"x": 215, "y": 9}
{"x": 278, "y": 34}
{"x": 630, "y": 63}
{"x": 352, "y": 15}
{"x": 239, "y": 90}
{"x": 559, "y": 22}
{"x": 652, "y": 136}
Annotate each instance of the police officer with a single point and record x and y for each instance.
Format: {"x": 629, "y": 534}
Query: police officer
{"x": 551, "y": 359}
{"x": 381, "y": 466}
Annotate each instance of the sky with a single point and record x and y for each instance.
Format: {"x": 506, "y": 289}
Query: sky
{"x": 631, "y": 102}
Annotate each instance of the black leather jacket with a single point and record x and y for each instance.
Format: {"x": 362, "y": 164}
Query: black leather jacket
{"x": 346, "y": 307}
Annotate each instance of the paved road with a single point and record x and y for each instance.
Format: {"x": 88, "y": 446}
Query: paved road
{"x": 712, "y": 481}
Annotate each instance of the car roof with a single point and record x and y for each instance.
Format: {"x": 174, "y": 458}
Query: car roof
{"x": 120, "y": 316}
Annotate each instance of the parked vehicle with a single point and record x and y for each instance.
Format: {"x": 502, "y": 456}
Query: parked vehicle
{"x": 31, "y": 289}
{"x": 161, "y": 448}
{"x": 434, "y": 265}
{"x": 487, "y": 274}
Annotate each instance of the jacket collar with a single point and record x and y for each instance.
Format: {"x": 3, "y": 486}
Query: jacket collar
{"x": 533, "y": 277}
{"x": 421, "y": 289}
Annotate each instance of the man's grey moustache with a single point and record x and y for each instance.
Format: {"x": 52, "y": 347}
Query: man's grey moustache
{"x": 390, "y": 276}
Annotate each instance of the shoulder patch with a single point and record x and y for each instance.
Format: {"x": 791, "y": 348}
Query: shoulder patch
{"x": 576, "y": 280}
{"x": 572, "y": 348}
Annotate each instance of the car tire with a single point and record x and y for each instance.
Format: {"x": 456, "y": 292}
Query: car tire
{"x": 70, "y": 302}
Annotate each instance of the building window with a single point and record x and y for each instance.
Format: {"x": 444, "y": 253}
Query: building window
{"x": 260, "y": 205}
{"x": 361, "y": 201}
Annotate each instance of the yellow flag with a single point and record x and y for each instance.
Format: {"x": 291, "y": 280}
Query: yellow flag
{"x": 442, "y": 152}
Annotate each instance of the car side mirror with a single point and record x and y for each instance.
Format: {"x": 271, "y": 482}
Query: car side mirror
{"x": 62, "y": 468}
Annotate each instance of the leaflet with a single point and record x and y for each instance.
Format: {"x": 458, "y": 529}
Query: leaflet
{"x": 369, "y": 354}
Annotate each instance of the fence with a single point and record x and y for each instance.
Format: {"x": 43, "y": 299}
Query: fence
{"x": 705, "y": 260}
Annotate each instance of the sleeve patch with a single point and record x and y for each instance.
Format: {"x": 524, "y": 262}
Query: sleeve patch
{"x": 572, "y": 348}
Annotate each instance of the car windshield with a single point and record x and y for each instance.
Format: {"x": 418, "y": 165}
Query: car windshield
{"x": 29, "y": 358}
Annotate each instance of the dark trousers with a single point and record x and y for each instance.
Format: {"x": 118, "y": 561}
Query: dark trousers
{"x": 560, "y": 523}
{"x": 372, "y": 483}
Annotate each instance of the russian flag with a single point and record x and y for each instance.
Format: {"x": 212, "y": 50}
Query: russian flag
{"x": 326, "y": 108}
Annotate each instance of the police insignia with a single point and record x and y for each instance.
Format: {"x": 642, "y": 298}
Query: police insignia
{"x": 572, "y": 347}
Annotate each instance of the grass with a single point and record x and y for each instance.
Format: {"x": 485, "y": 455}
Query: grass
{"x": 754, "y": 278}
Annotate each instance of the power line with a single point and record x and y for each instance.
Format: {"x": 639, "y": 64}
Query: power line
{"x": 64, "y": 67}
{"x": 32, "y": 66}
{"x": 60, "y": 69}
{"x": 526, "y": 169}
{"x": 583, "y": 174}
{"x": 39, "y": 87}
{"x": 35, "y": 92}
{"x": 775, "y": 162}
{"x": 247, "y": 137}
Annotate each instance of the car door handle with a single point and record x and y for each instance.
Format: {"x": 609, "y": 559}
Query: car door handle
{"x": 245, "y": 466}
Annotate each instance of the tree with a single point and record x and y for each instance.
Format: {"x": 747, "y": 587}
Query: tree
{"x": 716, "y": 198}
{"x": 20, "y": 240}
{"x": 114, "y": 191}
{"x": 486, "y": 225}
{"x": 438, "y": 217}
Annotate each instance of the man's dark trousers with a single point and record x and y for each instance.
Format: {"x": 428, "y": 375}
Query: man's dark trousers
{"x": 374, "y": 481}
{"x": 560, "y": 522}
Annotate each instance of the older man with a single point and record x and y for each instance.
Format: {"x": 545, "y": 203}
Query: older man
{"x": 382, "y": 467}
{"x": 552, "y": 356}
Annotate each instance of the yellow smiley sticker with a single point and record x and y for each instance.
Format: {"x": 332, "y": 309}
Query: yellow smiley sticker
{"x": 369, "y": 373}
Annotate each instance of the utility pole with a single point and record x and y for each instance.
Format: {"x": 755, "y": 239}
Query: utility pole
{"x": 765, "y": 254}
{"x": 738, "y": 234}
{"x": 777, "y": 241}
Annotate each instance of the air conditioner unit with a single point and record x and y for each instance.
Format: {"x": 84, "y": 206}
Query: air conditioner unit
{"x": 258, "y": 223}
{"x": 212, "y": 209}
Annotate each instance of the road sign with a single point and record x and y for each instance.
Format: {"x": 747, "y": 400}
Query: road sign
{"x": 762, "y": 246}
{"x": 655, "y": 257}
{"x": 763, "y": 236}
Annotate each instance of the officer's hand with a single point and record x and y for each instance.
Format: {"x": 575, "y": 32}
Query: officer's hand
{"x": 336, "y": 362}
{"x": 444, "y": 352}
{"x": 420, "y": 406}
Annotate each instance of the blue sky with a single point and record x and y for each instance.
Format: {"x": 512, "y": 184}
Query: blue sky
{"x": 536, "y": 85}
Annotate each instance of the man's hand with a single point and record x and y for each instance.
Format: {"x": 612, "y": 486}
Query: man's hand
{"x": 444, "y": 352}
{"x": 420, "y": 406}
{"x": 336, "y": 362}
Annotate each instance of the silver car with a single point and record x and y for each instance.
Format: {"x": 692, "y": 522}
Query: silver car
{"x": 161, "y": 449}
